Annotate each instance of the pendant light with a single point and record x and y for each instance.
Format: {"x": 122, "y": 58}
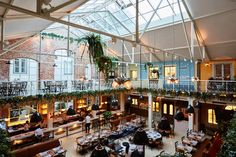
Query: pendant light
{"x": 122, "y": 81}
{"x": 99, "y": 150}
{"x": 172, "y": 79}
{"x": 140, "y": 74}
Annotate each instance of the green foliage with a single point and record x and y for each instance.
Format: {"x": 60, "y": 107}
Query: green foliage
{"x": 58, "y": 37}
{"x": 96, "y": 53}
{"x": 148, "y": 65}
{"x": 4, "y": 144}
{"x": 79, "y": 94}
{"x": 229, "y": 141}
{"x": 107, "y": 115}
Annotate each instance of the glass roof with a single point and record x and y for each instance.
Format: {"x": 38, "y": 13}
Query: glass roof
{"x": 118, "y": 16}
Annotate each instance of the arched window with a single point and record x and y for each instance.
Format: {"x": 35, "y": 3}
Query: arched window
{"x": 165, "y": 108}
{"x": 171, "y": 109}
{"x": 211, "y": 116}
{"x": 155, "y": 106}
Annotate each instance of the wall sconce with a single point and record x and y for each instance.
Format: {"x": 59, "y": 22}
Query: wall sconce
{"x": 207, "y": 64}
{"x": 195, "y": 79}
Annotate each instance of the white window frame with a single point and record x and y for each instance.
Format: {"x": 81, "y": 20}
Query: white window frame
{"x": 22, "y": 67}
{"x": 231, "y": 68}
{"x": 68, "y": 67}
{"x": 170, "y": 66}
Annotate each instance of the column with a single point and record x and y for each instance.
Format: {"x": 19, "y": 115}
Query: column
{"x": 2, "y": 35}
{"x": 50, "y": 114}
{"x": 190, "y": 116}
{"x": 149, "y": 111}
{"x": 122, "y": 102}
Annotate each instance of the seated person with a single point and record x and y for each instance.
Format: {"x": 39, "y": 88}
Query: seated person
{"x": 70, "y": 111}
{"x": 26, "y": 126}
{"x": 164, "y": 125}
{"x": 39, "y": 133}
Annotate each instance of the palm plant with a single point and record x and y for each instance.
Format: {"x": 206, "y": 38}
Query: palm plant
{"x": 94, "y": 46}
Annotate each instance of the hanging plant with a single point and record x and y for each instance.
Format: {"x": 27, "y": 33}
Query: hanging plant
{"x": 96, "y": 54}
{"x": 148, "y": 65}
{"x": 104, "y": 65}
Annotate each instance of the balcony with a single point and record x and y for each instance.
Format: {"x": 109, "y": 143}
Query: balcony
{"x": 23, "y": 88}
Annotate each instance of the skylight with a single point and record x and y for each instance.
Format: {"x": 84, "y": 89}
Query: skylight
{"x": 118, "y": 16}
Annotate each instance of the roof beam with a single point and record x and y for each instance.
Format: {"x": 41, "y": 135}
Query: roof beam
{"x": 185, "y": 31}
{"x": 200, "y": 40}
{"x": 6, "y": 10}
{"x": 146, "y": 26}
{"x": 20, "y": 42}
{"x": 49, "y": 18}
{"x": 64, "y": 5}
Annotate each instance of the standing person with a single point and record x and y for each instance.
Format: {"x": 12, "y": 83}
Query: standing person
{"x": 87, "y": 123}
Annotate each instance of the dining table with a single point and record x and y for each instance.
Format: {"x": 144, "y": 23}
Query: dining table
{"x": 154, "y": 135}
{"x": 184, "y": 148}
{"x": 198, "y": 136}
{"x": 190, "y": 142}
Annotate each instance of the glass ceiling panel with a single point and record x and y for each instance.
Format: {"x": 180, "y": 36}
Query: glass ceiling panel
{"x": 144, "y": 7}
{"x": 165, "y": 12}
{"x": 118, "y": 16}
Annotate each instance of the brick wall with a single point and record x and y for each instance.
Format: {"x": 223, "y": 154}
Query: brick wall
{"x": 31, "y": 48}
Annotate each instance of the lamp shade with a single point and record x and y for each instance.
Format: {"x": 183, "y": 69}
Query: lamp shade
{"x": 179, "y": 116}
{"x": 140, "y": 137}
{"x": 190, "y": 109}
{"x": 127, "y": 84}
{"x": 95, "y": 107}
{"x": 115, "y": 84}
{"x": 99, "y": 151}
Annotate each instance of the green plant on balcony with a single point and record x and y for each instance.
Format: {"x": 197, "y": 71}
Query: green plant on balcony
{"x": 94, "y": 46}
{"x": 148, "y": 65}
{"x": 4, "y": 144}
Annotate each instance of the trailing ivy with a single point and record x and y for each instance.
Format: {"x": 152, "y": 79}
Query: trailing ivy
{"x": 204, "y": 96}
{"x": 59, "y": 37}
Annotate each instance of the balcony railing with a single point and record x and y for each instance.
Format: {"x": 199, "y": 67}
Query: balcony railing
{"x": 24, "y": 88}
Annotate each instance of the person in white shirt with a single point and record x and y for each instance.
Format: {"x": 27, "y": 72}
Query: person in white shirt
{"x": 39, "y": 134}
{"x": 87, "y": 123}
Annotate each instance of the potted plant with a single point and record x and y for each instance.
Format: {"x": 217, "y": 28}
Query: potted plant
{"x": 4, "y": 144}
{"x": 148, "y": 65}
{"x": 107, "y": 115}
{"x": 94, "y": 46}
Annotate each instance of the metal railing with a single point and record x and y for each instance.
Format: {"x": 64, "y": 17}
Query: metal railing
{"x": 25, "y": 88}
